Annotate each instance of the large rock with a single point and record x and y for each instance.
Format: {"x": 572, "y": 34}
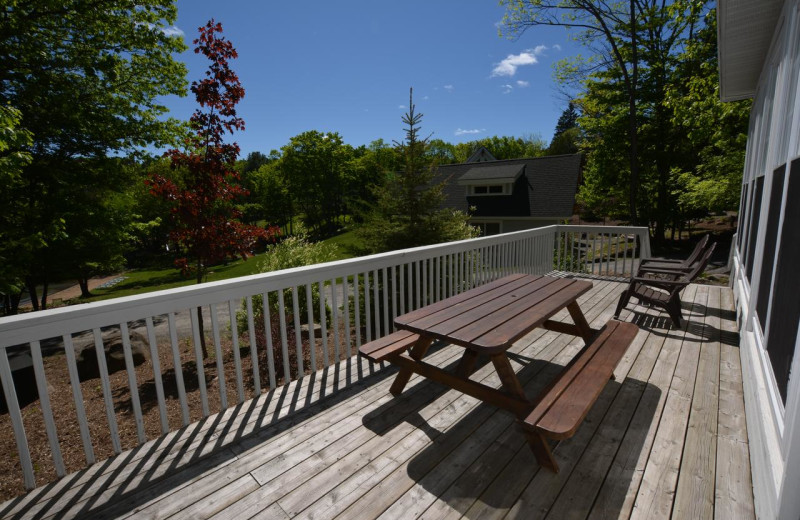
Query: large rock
{"x": 24, "y": 378}
{"x": 115, "y": 356}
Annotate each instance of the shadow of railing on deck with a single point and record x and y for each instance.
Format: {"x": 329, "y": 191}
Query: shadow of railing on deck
{"x": 120, "y": 484}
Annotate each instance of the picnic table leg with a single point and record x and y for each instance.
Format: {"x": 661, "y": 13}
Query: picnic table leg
{"x": 541, "y": 450}
{"x": 575, "y": 312}
{"x": 507, "y": 375}
{"x": 417, "y": 352}
{"x": 467, "y": 363}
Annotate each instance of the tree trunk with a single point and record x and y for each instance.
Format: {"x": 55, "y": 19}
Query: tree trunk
{"x": 200, "y": 326}
{"x": 43, "y": 305}
{"x": 84, "y": 285}
{"x": 31, "y": 286}
{"x": 632, "y": 125}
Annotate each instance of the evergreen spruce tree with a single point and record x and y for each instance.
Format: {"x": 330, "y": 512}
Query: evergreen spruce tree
{"x": 407, "y": 211}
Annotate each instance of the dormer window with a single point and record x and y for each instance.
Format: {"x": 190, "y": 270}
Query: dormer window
{"x": 491, "y": 189}
{"x": 491, "y": 179}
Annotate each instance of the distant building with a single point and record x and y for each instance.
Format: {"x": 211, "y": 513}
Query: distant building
{"x": 511, "y": 195}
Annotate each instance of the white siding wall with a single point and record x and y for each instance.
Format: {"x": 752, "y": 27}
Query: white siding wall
{"x": 773, "y": 140}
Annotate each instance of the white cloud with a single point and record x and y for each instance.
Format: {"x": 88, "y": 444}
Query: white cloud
{"x": 557, "y": 47}
{"x": 522, "y": 84}
{"x": 461, "y": 131}
{"x": 172, "y": 31}
{"x": 401, "y": 107}
{"x": 449, "y": 88}
{"x": 508, "y": 67}
{"x": 507, "y": 88}
{"x": 425, "y": 98}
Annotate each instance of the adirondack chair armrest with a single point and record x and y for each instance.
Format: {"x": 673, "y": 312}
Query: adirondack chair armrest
{"x": 660, "y": 260}
{"x": 651, "y": 281}
{"x": 664, "y": 270}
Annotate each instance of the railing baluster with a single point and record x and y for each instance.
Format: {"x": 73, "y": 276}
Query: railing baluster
{"x": 156, "y": 361}
{"x": 417, "y": 283}
{"x": 402, "y": 288}
{"x": 133, "y": 386}
{"x": 386, "y": 289}
{"x": 312, "y": 341}
{"x": 594, "y": 250}
{"x": 105, "y": 384}
{"x": 624, "y": 253}
{"x": 298, "y": 332}
{"x": 616, "y": 256}
{"x": 323, "y": 323}
{"x": 77, "y": 397}
{"x": 368, "y": 306}
{"x": 357, "y": 285}
{"x": 436, "y": 277}
{"x": 251, "y": 331}
{"x": 284, "y": 340}
{"x": 223, "y": 387}
{"x": 346, "y": 307}
{"x": 335, "y": 321}
{"x": 424, "y": 282}
{"x": 268, "y": 338}
{"x": 376, "y": 304}
{"x": 16, "y": 421}
{"x": 393, "y": 278}
{"x": 176, "y": 356}
{"x": 47, "y": 410}
{"x": 237, "y": 359}
{"x": 198, "y": 355}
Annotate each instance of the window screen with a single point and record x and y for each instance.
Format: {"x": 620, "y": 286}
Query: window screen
{"x": 770, "y": 241}
{"x": 755, "y": 213}
{"x": 785, "y": 308}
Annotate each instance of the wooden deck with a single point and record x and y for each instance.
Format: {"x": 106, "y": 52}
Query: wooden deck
{"x": 667, "y": 438}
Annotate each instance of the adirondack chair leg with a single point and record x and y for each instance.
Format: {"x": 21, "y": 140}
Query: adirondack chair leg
{"x": 674, "y": 311}
{"x": 541, "y": 450}
{"x": 623, "y": 301}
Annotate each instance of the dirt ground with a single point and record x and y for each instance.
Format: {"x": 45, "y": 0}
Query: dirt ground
{"x": 62, "y": 403}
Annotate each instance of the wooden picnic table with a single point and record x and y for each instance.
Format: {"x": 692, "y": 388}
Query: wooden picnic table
{"x": 487, "y": 320}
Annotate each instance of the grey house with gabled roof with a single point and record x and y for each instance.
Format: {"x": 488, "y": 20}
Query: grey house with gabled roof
{"x": 511, "y": 195}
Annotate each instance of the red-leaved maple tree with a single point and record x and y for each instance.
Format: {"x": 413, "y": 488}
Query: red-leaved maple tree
{"x": 205, "y": 221}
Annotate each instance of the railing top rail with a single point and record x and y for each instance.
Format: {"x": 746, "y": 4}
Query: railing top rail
{"x": 75, "y": 318}
{"x": 23, "y": 328}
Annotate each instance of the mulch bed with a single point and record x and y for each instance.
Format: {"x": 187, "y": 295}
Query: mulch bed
{"x": 62, "y": 404}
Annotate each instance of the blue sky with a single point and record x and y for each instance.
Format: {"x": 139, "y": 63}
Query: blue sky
{"x": 346, "y": 66}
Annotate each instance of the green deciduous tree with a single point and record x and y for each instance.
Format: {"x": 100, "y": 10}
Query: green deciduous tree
{"x": 631, "y": 44}
{"x": 86, "y": 78}
{"x": 313, "y": 164}
{"x": 407, "y": 212}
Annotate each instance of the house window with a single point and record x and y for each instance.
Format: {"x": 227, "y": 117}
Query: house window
{"x": 770, "y": 243}
{"x": 742, "y": 218}
{"x": 755, "y": 214}
{"x": 491, "y": 189}
{"x": 487, "y": 228}
{"x": 784, "y": 309}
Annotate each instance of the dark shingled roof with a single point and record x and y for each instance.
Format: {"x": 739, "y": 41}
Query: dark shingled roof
{"x": 491, "y": 173}
{"x": 546, "y": 188}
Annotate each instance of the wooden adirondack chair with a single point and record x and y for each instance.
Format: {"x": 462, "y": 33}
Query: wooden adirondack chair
{"x": 663, "y": 291}
{"x": 683, "y": 265}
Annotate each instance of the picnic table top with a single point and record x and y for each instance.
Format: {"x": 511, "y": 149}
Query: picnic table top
{"x": 490, "y": 318}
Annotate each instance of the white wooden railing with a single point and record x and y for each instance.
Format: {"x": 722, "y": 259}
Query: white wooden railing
{"x": 358, "y": 300}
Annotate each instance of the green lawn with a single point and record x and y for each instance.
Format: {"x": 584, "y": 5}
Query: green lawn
{"x": 148, "y": 280}
{"x": 348, "y": 243}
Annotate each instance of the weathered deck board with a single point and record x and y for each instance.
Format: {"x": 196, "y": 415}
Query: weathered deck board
{"x": 666, "y": 439}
